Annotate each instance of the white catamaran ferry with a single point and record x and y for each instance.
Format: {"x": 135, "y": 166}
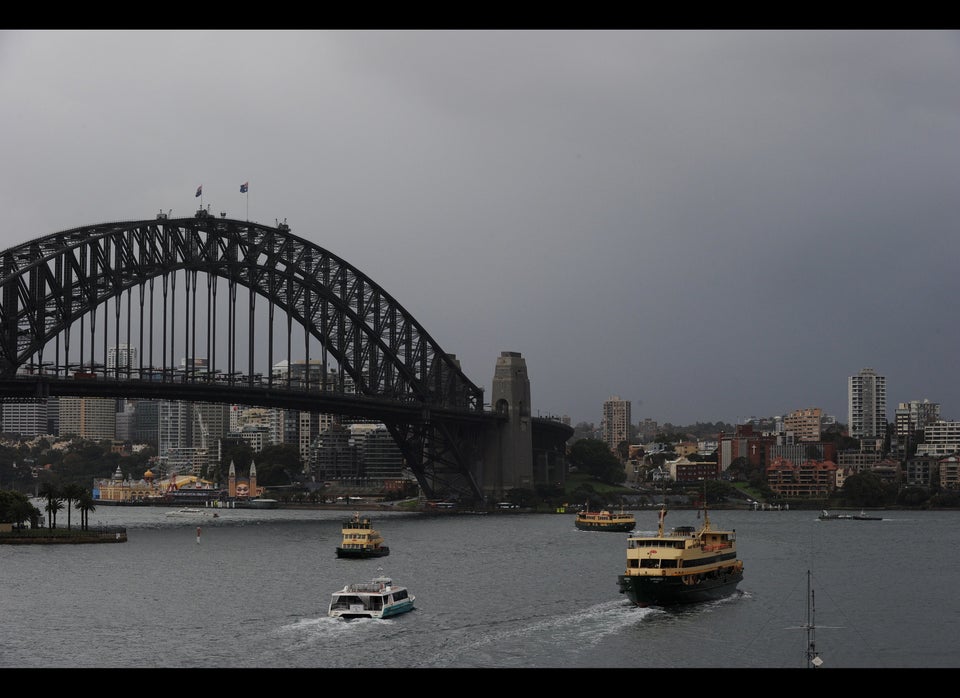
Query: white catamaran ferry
{"x": 378, "y": 598}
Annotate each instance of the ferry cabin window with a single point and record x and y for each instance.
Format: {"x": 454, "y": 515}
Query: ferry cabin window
{"x": 655, "y": 543}
{"x": 653, "y": 563}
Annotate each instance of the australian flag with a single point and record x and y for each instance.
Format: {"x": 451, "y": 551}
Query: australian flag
{"x": 199, "y": 191}
{"x": 243, "y": 187}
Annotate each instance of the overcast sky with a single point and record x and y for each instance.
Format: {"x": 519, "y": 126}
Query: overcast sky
{"x": 709, "y": 224}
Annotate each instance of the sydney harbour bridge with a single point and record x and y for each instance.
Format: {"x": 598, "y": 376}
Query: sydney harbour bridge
{"x": 213, "y": 304}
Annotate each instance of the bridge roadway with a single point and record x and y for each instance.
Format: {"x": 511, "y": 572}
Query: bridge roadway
{"x": 239, "y": 392}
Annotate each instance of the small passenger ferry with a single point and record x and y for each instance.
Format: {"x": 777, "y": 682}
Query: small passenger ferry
{"x": 684, "y": 566}
{"x": 378, "y": 598}
{"x": 360, "y": 540}
{"x": 604, "y": 520}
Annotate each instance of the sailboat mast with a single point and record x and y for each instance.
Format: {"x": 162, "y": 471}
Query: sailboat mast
{"x": 813, "y": 661}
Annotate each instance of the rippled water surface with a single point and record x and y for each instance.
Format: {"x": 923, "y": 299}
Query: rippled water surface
{"x": 492, "y": 591}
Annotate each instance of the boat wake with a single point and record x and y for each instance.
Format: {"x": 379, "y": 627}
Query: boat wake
{"x": 565, "y": 638}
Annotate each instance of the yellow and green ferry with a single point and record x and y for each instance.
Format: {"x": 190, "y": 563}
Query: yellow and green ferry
{"x": 684, "y": 566}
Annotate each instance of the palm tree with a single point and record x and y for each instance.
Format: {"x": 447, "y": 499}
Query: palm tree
{"x": 85, "y": 505}
{"x": 71, "y": 492}
{"x": 53, "y": 506}
{"x": 51, "y": 493}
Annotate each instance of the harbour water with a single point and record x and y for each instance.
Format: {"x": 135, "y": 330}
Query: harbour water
{"x": 250, "y": 589}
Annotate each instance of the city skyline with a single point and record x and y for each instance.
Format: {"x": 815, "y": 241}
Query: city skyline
{"x": 709, "y": 223}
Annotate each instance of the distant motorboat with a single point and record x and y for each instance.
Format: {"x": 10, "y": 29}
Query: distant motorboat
{"x": 193, "y": 512}
{"x": 862, "y": 516}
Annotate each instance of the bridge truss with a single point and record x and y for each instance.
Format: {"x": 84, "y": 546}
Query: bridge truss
{"x": 212, "y": 304}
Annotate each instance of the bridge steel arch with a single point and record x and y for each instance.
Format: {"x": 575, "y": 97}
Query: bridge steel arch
{"x": 52, "y": 285}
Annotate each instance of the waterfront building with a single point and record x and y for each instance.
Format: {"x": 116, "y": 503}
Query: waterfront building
{"x": 949, "y": 468}
{"x": 243, "y": 487}
{"x": 119, "y": 489}
{"x": 867, "y": 405}
{"x": 809, "y": 479}
{"x": 859, "y": 460}
{"x": 919, "y": 471}
{"x": 888, "y": 470}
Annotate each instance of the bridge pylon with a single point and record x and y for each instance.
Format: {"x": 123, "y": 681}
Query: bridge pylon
{"x": 508, "y": 454}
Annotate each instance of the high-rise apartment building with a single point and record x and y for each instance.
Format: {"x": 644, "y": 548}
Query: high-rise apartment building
{"x": 24, "y": 417}
{"x": 121, "y": 357}
{"x": 93, "y": 418}
{"x": 867, "y": 405}
{"x": 616, "y": 422}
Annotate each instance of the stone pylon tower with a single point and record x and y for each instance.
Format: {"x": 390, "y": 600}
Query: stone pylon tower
{"x": 508, "y": 457}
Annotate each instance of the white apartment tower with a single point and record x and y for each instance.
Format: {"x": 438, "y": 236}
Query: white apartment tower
{"x": 867, "y": 404}
{"x": 121, "y": 356}
{"x": 616, "y": 422}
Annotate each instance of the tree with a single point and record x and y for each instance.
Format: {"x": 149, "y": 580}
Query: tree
{"x": 278, "y": 464}
{"x": 49, "y": 491}
{"x": 71, "y": 491}
{"x": 240, "y": 454}
{"x": 864, "y": 490}
{"x": 594, "y": 457}
{"x": 85, "y": 505}
{"x": 16, "y": 508}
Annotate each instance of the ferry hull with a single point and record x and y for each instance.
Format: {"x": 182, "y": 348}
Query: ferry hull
{"x": 671, "y": 591}
{"x": 353, "y": 554}
{"x": 625, "y": 527}
{"x": 390, "y": 611}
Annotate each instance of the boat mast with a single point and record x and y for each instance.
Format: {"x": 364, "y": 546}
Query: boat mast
{"x": 813, "y": 659}
{"x": 706, "y": 515}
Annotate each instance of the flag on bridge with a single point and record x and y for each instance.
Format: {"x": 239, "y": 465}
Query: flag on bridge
{"x": 244, "y": 187}
{"x": 199, "y": 191}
